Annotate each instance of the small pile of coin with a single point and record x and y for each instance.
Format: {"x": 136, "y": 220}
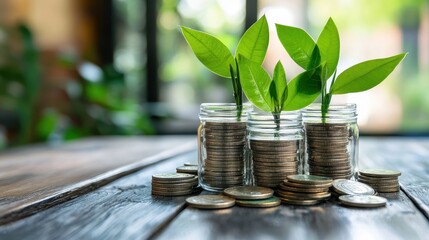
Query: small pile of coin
{"x": 273, "y": 160}
{"x": 223, "y": 158}
{"x": 174, "y": 184}
{"x": 327, "y": 150}
{"x": 304, "y": 189}
{"x": 382, "y": 180}
{"x": 349, "y": 187}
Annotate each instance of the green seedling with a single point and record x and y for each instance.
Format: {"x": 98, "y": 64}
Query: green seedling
{"x": 217, "y": 57}
{"x": 325, "y": 52}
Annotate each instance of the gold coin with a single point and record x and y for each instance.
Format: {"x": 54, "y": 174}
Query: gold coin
{"x": 380, "y": 183}
{"x": 304, "y": 196}
{"x": 249, "y": 192}
{"x": 160, "y": 177}
{"x": 263, "y": 203}
{"x": 306, "y": 185}
{"x": 277, "y": 143}
{"x": 210, "y": 201}
{"x": 276, "y": 164}
{"x": 164, "y": 189}
{"x": 380, "y": 172}
{"x": 349, "y": 187}
{"x": 208, "y": 174}
{"x": 299, "y": 202}
{"x": 302, "y": 190}
{"x": 173, "y": 185}
{"x": 309, "y": 179}
{"x": 364, "y": 201}
{"x": 388, "y": 190}
{"x": 378, "y": 179}
{"x": 193, "y": 180}
{"x": 273, "y": 170}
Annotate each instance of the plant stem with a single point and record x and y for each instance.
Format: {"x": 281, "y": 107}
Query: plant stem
{"x": 276, "y": 116}
{"x": 238, "y": 91}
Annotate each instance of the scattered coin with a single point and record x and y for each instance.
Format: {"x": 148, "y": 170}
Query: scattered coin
{"x": 285, "y": 187}
{"x": 249, "y": 192}
{"x": 349, "y": 187}
{"x": 172, "y": 176}
{"x": 188, "y": 169}
{"x": 364, "y": 201}
{"x": 263, "y": 203}
{"x": 210, "y": 201}
{"x": 380, "y": 172}
{"x": 299, "y": 202}
{"x": 309, "y": 179}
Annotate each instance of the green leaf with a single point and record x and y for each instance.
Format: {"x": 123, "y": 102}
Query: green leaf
{"x": 315, "y": 58}
{"x": 304, "y": 89}
{"x": 274, "y": 97}
{"x": 365, "y": 75}
{"x": 254, "y": 42}
{"x": 256, "y": 84}
{"x": 329, "y": 46}
{"x": 297, "y": 43}
{"x": 210, "y": 51}
{"x": 279, "y": 77}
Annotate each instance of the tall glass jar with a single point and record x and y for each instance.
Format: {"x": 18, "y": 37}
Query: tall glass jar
{"x": 221, "y": 138}
{"x": 331, "y": 141}
{"x": 275, "y": 146}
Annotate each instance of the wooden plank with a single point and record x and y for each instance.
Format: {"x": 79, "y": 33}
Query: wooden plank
{"x": 408, "y": 155}
{"x": 36, "y": 178}
{"x": 123, "y": 209}
{"x": 400, "y": 219}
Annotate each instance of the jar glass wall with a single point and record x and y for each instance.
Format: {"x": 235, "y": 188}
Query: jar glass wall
{"x": 275, "y": 147}
{"x": 331, "y": 141}
{"x": 221, "y": 138}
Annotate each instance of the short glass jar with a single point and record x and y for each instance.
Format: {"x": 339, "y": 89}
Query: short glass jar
{"x": 331, "y": 141}
{"x": 275, "y": 147}
{"x": 221, "y": 145}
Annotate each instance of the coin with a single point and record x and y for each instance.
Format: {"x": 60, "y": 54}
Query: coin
{"x": 380, "y": 172}
{"x": 263, "y": 203}
{"x": 299, "y": 202}
{"x": 306, "y": 185}
{"x": 349, "y": 187}
{"x": 388, "y": 190}
{"x": 190, "y": 164}
{"x": 378, "y": 179}
{"x": 304, "y": 196}
{"x": 172, "y": 176}
{"x": 210, "y": 201}
{"x": 249, "y": 192}
{"x": 190, "y": 181}
{"x": 364, "y": 201}
{"x": 173, "y": 185}
{"x": 309, "y": 179}
{"x": 187, "y": 169}
{"x": 302, "y": 190}
{"x": 380, "y": 183}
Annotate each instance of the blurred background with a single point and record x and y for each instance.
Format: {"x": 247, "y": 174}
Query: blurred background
{"x": 76, "y": 68}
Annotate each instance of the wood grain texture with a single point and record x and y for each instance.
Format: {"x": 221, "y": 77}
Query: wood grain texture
{"x": 408, "y": 155}
{"x": 123, "y": 209}
{"x": 400, "y": 219}
{"x": 36, "y": 178}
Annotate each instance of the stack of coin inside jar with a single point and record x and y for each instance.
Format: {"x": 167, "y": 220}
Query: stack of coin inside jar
{"x": 273, "y": 161}
{"x": 328, "y": 150}
{"x": 222, "y": 155}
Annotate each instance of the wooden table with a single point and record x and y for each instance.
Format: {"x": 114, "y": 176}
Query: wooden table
{"x": 100, "y": 189}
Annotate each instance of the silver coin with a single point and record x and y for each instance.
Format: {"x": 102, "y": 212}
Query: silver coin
{"x": 349, "y": 187}
{"x": 363, "y": 201}
{"x": 380, "y": 172}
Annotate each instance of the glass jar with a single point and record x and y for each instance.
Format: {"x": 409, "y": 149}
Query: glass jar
{"x": 275, "y": 147}
{"x": 331, "y": 141}
{"x": 221, "y": 150}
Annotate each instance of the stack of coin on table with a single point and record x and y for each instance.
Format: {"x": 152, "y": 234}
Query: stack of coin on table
{"x": 382, "y": 180}
{"x": 174, "y": 184}
{"x": 304, "y": 189}
{"x": 273, "y": 160}
{"x": 245, "y": 196}
{"x": 327, "y": 150}
{"x": 223, "y": 159}
{"x": 356, "y": 194}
